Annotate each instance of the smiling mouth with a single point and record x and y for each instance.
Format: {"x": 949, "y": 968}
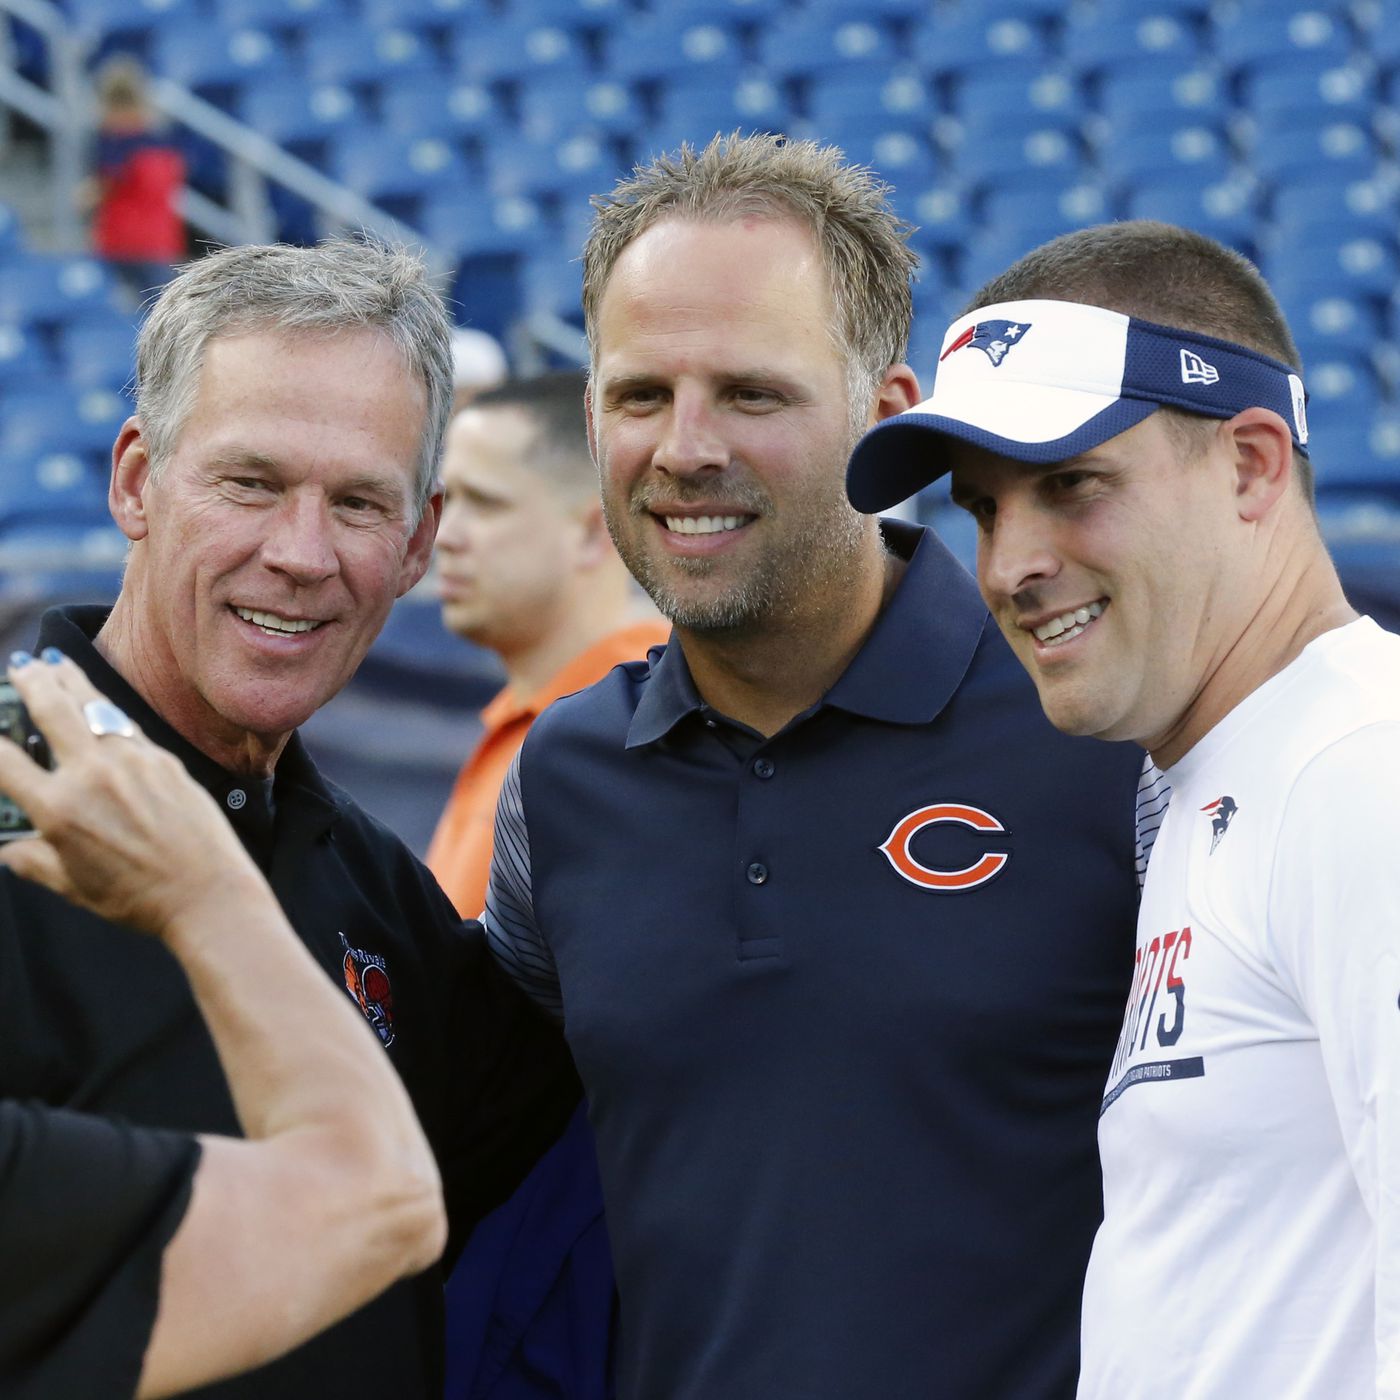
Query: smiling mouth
{"x": 1069, "y": 625}
{"x": 275, "y": 626}
{"x": 705, "y": 524}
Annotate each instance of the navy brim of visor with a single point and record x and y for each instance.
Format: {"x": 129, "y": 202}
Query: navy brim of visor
{"x": 902, "y": 455}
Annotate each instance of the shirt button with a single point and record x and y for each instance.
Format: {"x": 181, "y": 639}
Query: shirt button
{"x": 757, "y": 873}
{"x": 763, "y": 768}
{"x": 710, "y": 724}
{"x": 237, "y": 799}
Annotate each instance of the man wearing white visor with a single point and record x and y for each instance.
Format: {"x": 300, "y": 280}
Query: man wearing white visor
{"x": 1123, "y": 414}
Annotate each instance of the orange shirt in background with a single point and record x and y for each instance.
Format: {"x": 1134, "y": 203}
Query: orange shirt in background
{"x": 460, "y": 851}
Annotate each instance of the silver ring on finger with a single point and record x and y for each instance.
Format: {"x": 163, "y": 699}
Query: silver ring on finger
{"x": 104, "y": 718}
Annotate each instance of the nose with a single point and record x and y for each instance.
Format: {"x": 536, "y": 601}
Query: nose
{"x": 1016, "y": 551}
{"x": 300, "y": 540}
{"x": 690, "y": 440}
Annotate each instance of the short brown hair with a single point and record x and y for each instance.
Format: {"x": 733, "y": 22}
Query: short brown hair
{"x": 1158, "y": 272}
{"x": 863, "y": 242}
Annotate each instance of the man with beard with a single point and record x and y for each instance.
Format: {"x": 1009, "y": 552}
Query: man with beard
{"x": 835, "y": 920}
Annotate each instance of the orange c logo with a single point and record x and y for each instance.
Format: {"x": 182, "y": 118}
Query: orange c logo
{"x": 896, "y": 847}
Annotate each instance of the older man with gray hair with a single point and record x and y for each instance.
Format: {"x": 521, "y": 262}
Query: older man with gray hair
{"x": 277, "y": 486}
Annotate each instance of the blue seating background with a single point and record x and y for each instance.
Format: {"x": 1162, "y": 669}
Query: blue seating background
{"x": 1271, "y": 124}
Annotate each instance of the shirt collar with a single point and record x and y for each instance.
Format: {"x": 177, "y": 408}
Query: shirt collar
{"x": 907, "y": 669}
{"x": 73, "y": 631}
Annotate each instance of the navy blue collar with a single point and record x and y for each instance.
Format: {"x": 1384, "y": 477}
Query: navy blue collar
{"x": 905, "y": 673}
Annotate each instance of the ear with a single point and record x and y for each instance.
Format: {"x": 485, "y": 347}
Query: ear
{"x": 898, "y": 390}
{"x": 420, "y": 545}
{"x": 588, "y": 418}
{"x": 1262, "y": 448}
{"x": 131, "y": 473}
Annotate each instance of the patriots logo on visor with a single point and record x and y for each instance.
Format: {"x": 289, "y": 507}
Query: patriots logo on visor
{"x": 1222, "y": 813}
{"x": 995, "y": 338}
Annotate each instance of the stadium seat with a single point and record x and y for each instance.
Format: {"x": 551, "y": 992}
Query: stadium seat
{"x": 512, "y": 48}
{"x": 420, "y": 14}
{"x": 954, "y": 43}
{"x": 516, "y": 165}
{"x": 1321, "y": 89}
{"x": 1045, "y": 157}
{"x": 652, "y": 47}
{"x": 50, "y": 486}
{"x": 1046, "y": 96}
{"x": 1090, "y": 43}
{"x": 297, "y": 115}
{"x": 1284, "y": 146}
{"x": 1327, "y": 322}
{"x": 794, "y": 46}
{"x": 941, "y": 213}
{"x": 1342, "y": 389}
{"x": 1359, "y": 455}
{"x": 439, "y": 104}
{"x": 127, "y": 24}
{"x": 695, "y": 109}
{"x": 26, "y": 361}
{"x": 390, "y": 169}
{"x": 99, "y": 352}
{"x": 215, "y": 62}
{"x": 554, "y": 285}
{"x": 1226, "y": 210}
{"x": 901, "y": 155}
{"x": 1243, "y": 36}
{"x": 1195, "y": 148}
{"x": 1047, "y": 211}
{"x": 350, "y": 53}
{"x": 59, "y": 417}
{"x": 1139, "y": 90}
{"x": 465, "y": 223}
{"x": 865, "y": 90}
{"x": 553, "y": 106}
{"x": 46, "y": 291}
{"x": 1351, "y": 263}
{"x": 285, "y": 15}
{"x": 1327, "y": 195}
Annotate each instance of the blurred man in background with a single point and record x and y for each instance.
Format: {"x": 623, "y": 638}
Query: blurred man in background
{"x": 526, "y": 568}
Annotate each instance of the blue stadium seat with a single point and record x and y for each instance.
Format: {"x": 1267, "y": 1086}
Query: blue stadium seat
{"x": 1342, "y": 389}
{"x": 1045, "y": 95}
{"x": 1327, "y": 195}
{"x": 993, "y": 252}
{"x": 421, "y": 14}
{"x": 1352, "y": 263}
{"x": 1091, "y": 43}
{"x": 942, "y": 214}
{"x": 48, "y": 486}
{"x": 439, "y": 104}
{"x": 512, "y": 48}
{"x": 11, "y": 232}
{"x": 561, "y": 103}
{"x": 1047, "y": 211}
{"x": 1151, "y": 91}
{"x": 1296, "y": 144}
{"x": 1111, "y": 11}
{"x": 128, "y": 24}
{"x": 516, "y": 165}
{"x": 1322, "y": 89}
{"x": 1197, "y": 148}
{"x": 899, "y": 154}
{"x": 466, "y": 222}
{"x": 42, "y": 290}
{"x": 578, "y": 15}
{"x": 857, "y": 92}
{"x": 554, "y": 285}
{"x": 794, "y": 46}
{"x": 887, "y": 10}
{"x": 1359, "y": 455}
{"x": 1326, "y": 322}
{"x": 298, "y": 115}
{"x": 215, "y": 61}
{"x": 1244, "y": 36}
{"x": 693, "y": 109}
{"x": 1226, "y": 210}
{"x": 652, "y": 47}
{"x": 26, "y": 361}
{"x": 99, "y": 352}
{"x": 390, "y": 169}
{"x": 1045, "y": 157}
{"x": 286, "y": 15}
{"x": 59, "y": 417}
{"x": 351, "y": 53}
{"x": 951, "y": 43}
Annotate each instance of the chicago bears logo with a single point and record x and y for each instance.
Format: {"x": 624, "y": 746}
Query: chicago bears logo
{"x": 994, "y": 338}
{"x": 367, "y": 981}
{"x": 1222, "y": 812}
{"x": 897, "y": 848}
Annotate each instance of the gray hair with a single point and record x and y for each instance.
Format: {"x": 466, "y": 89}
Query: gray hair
{"x": 340, "y": 284}
{"x": 863, "y": 242}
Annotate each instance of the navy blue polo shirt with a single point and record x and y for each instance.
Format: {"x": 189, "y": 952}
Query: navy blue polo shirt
{"x": 843, "y": 1001}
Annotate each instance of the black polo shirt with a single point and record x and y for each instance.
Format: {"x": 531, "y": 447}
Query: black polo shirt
{"x": 98, "y": 1018}
{"x": 843, "y": 1002}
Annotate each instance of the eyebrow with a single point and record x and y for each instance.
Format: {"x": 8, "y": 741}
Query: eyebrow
{"x": 365, "y": 483}
{"x": 761, "y": 374}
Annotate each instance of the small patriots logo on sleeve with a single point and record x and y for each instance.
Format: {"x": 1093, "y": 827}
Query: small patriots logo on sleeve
{"x": 995, "y": 339}
{"x": 1222, "y": 812}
